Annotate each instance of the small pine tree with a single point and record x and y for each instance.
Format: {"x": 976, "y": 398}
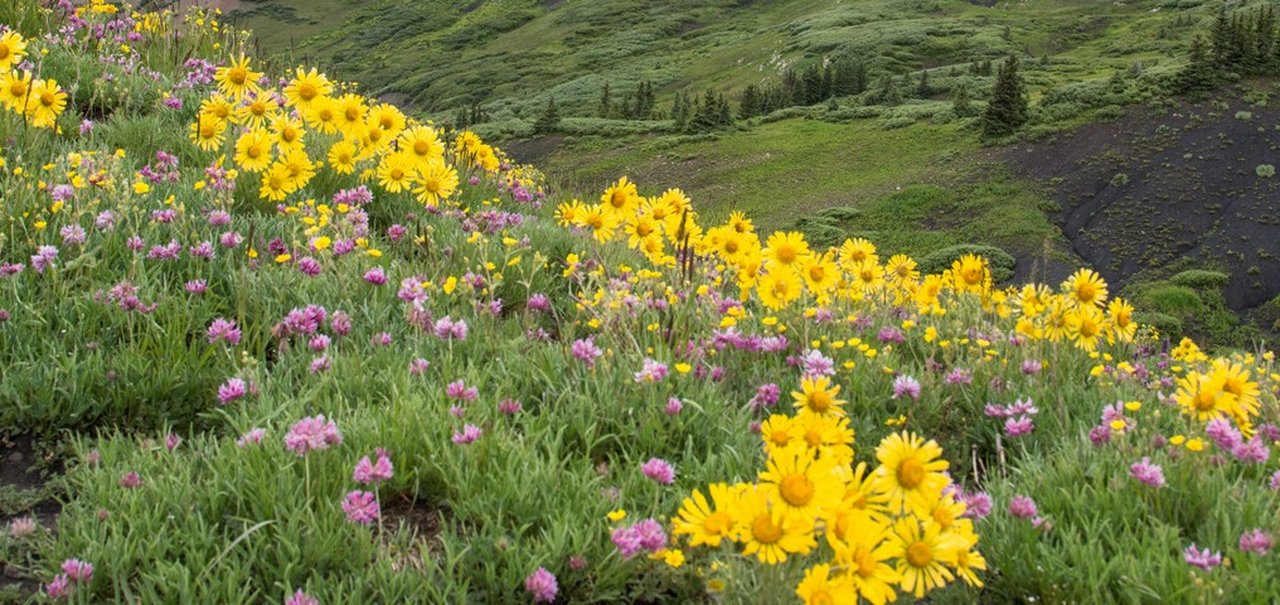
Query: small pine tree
{"x": 924, "y": 90}
{"x": 812, "y": 85}
{"x": 707, "y": 117}
{"x": 1007, "y": 109}
{"x": 724, "y": 116}
{"x": 960, "y": 101}
{"x": 549, "y": 121}
{"x": 891, "y": 95}
{"x": 627, "y": 108}
{"x": 605, "y": 107}
{"x": 1264, "y": 39}
{"x": 680, "y": 110}
{"x": 1199, "y": 73}
{"x": 775, "y": 98}
{"x": 750, "y": 104}
{"x": 476, "y": 114}
{"x": 648, "y": 100}
{"x": 794, "y": 86}
{"x": 1220, "y": 38}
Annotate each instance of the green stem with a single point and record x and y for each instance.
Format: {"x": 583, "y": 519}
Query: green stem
{"x": 306, "y": 479}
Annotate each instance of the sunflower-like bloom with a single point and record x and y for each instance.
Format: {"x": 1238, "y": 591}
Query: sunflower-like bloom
{"x": 786, "y": 248}
{"x": 818, "y": 396}
{"x": 253, "y": 150}
{"x": 46, "y": 102}
{"x": 910, "y": 472}
{"x": 766, "y": 529}
{"x": 924, "y": 553}
{"x": 435, "y": 182}
{"x": 1085, "y": 288}
{"x": 305, "y": 88}
{"x": 708, "y": 522}
{"x": 236, "y": 79}
{"x": 620, "y": 199}
{"x": 12, "y": 49}
{"x": 778, "y": 287}
{"x": 800, "y": 483}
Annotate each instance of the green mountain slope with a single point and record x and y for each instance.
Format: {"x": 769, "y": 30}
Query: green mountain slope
{"x": 511, "y": 54}
{"x": 898, "y": 162}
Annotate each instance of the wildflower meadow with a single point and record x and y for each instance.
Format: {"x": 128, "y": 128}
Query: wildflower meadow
{"x": 288, "y": 344}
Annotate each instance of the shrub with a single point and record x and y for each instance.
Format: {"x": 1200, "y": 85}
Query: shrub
{"x": 1002, "y": 263}
{"x": 822, "y": 234}
{"x": 1170, "y": 327}
{"x": 1171, "y": 299}
{"x": 843, "y": 214}
{"x": 1267, "y": 315}
{"x": 1201, "y": 279}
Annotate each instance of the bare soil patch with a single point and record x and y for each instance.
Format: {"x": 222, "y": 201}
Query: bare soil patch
{"x": 1163, "y": 189}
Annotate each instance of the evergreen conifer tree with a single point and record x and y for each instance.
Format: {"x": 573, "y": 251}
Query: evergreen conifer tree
{"x": 1007, "y": 109}
{"x": 750, "y": 105}
{"x": 1199, "y": 73}
{"x": 605, "y": 108}
{"x": 960, "y": 101}
{"x": 550, "y": 118}
{"x": 924, "y": 90}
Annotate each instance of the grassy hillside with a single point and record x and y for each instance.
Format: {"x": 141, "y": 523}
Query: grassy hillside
{"x": 1085, "y": 64}
{"x": 277, "y": 359}
{"x": 512, "y": 54}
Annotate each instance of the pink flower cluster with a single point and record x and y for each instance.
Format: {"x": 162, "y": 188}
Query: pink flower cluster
{"x": 1228, "y": 439}
{"x": 542, "y": 585}
{"x": 301, "y": 598}
{"x": 468, "y": 435}
{"x": 1202, "y": 558}
{"x": 659, "y": 470}
{"x": 74, "y": 571}
{"x": 1024, "y": 507}
{"x": 447, "y": 329}
{"x": 1146, "y": 472}
{"x": 370, "y": 472}
{"x": 977, "y": 505}
{"x": 460, "y": 391}
{"x": 767, "y": 395}
{"x": 906, "y": 386}
{"x": 645, "y": 536}
{"x": 651, "y": 371}
{"x": 234, "y": 389}
{"x": 586, "y": 351}
{"x": 1018, "y": 416}
{"x": 312, "y": 434}
{"x": 361, "y": 507}
{"x": 224, "y": 330}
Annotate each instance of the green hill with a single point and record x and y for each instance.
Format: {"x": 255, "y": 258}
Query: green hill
{"x": 511, "y": 54}
{"x": 865, "y": 146}
{"x": 284, "y": 354}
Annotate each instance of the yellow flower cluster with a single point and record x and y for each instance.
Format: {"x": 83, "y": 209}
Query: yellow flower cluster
{"x": 1222, "y": 390}
{"x": 893, "y": 528}
{"x": 275, "y": 131}
{"x": 783, "y": 269}
{"x": 40, "y": 102}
